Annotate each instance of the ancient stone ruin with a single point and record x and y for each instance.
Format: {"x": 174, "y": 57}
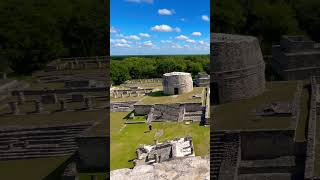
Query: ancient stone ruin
{"x": 296, "y": 58}
{"x": 188, "y": 168}
{"x": 202, "y": 80}
{"x": 237, "y": 68}
{"x": 273, "y": 131}
{"x": 54, "y": 117}
{"x": 169, "y": 150}
{"x": 177, "y": 83}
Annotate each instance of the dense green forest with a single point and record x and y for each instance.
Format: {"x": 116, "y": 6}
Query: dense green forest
{"x": 267, "y": 19}
{"x": 34, "y": 32}
{"x": 140, "y": 67}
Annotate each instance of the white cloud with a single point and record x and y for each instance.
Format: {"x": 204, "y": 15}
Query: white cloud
{"x": 123, "y": 41}
{"x": 205, "y": 18}
{"x": 165, "y": 28}
{"x": 113, "y": 30}
{"x": 183, "y": 19}
{"x": 166, "y": 41}
{"x": 141, "y": 1}
{"x": 191, "y": 41}
{"x": 166, "y": 12}
{"x": 196, "y": 34}
{"x": 178, "y": 46}
{"x": 182, "y": 37}
{"x": 145, "y": 35}
{"x": 186, "y": 46}
{"x": 122, "y": 45}
{"x": 177, "y": 29}
{"x": 203, "y": 43}
{"x": 132, "y": 37}
{"x": 147, "y": 43}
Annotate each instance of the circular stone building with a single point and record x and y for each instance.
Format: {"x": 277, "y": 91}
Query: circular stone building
{"x": 177, "y": 83}
{"x": 237, "y": 68}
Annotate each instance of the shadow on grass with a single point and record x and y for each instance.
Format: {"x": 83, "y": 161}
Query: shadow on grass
{"x": 157, "y": 94}
{"x": 57, "y": 173}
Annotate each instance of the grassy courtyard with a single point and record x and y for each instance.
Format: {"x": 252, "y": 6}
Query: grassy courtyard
{"x": 35, "y": 169}
{"x": 126, "y": 138}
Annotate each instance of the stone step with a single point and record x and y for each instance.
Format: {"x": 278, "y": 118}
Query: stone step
{"x": 34, "y": 156}
{"x": 44, "y": 133}
{"x": 42, "y": 148}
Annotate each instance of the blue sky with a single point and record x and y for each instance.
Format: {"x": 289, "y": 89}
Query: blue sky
{"x": 153, "y": 27}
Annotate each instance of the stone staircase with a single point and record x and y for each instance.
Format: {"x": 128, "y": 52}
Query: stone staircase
{"x": 40, "y": 142}
{"x": 216, "y": 153}
{"x": 195, "y": 115}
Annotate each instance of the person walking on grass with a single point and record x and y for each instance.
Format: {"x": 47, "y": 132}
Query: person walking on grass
{"x": 150, "y": 127}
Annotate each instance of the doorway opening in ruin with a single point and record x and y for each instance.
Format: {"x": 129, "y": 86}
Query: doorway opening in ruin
{"x": 176, "y": 91}
{"x": 215, "y": 91}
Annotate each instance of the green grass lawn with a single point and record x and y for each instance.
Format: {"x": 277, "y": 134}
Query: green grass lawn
{"x": 125, "y": 142}
{"x": 33, "y": 169}
{"x": 87, "y": 176}
{"x": 243, "y": 114}
{"x": 159, "y": 97}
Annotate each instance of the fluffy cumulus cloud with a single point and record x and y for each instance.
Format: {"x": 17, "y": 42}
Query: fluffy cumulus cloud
{"x": 196, "y": 34}
{"x": 133, "y": 37}
{"x": 113, "y": 30}
{"x": 191, "y": 41}
{"x": 144, "y": 35}
{"x": 147, "y": 43}
{"x": 182, "y": 37}
{"x": 141, "y": 1}
{"x": 166, "y": 12}
{"x": 123, "y": 41}
{"x": 165, "y": 28}
{"x": 166, "y": 41}
{"x": 122, "y": 45}
{"x": 203, "y": 43}
{"x": 205, "y": 18}
{"x": 177, "y": 46}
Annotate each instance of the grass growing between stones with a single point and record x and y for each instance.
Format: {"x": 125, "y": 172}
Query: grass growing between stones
{"x": 35, "y": 169}
{"x": 159, "y": 97}
{"x": 124, "y": 143}
{"x": 87, "y": 176}
{"x": 243, "y": 114}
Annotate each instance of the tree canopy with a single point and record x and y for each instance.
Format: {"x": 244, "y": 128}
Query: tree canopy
{"x": 35, "y": 32}
{"x": 268, "y": 20}
{"x": 127, "y": 68}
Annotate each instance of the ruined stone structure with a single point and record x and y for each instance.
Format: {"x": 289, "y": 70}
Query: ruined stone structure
{"x": 272, "y": 135}
{"x": 237, "y": 68}
{"x": 188, "y": 168}
{"x": 169, "y": 150}
{"x": 171, "y": 112}
{"x": 296, "y": 58}
{"x": 58, "y": 120}
{"x": 177, "y": 83}
{"x": 202, "y": 80}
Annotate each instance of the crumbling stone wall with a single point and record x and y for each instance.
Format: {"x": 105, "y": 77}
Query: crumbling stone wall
{"x": 296, "y": 58}
{"x": 311, "y": 133}
{"x": 256, "y": 145}
{"x": 230, "y": 163}
{"x": 93, "y": 153}
{"x": 237, "y": 67}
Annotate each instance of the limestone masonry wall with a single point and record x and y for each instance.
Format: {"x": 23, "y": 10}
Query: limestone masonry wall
{"x": 237, "y": 67}
{"x": 282, "y": 144}
{"x": 180, "y": 81}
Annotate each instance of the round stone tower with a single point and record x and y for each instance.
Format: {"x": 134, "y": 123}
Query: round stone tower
{"x": 177, "y": 83}
{"x": 237, "y": 68}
